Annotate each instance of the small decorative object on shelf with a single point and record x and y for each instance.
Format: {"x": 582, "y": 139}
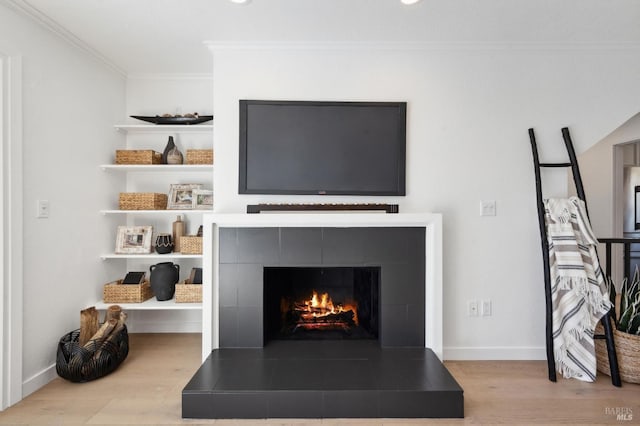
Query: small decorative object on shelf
{"x": 164, "y": 243}
{"x": 189, "y": 118}
{"x": 202, "y": 199}
{"x": 116, "y": 292}
{"x": 195, "y": 277}
{"x": 164, "y": 277}
{"x": 199, "y": 233}
{"x": 142, "y": 201}
{"x": 190, "y": 244}
{"x": 138, "y": 156}
{"x": 199, "y": 156}
{"x": 174, "y": 156}
{"x": 134, "y": 278}
{"x": 187, "y": 292}
{"x": 178, "y": 232}
{"x": 134, "y": 239}
{"x": 167, "y": 149}
{"x": 181, "y": 196}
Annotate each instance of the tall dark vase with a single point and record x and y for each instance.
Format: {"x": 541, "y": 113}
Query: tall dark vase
{"x": 164, "y": 277}
{"x": 169, "y": 147}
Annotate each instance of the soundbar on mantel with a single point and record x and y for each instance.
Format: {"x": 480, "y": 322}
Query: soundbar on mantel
{"x": 257, "y": 208}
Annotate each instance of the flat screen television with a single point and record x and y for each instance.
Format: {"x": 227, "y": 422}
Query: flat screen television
{"x": 325, "y": 148}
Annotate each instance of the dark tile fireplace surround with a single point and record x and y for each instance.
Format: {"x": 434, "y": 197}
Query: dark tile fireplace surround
{"x": 399, "y": 252}
{"x": 389, "y": 375}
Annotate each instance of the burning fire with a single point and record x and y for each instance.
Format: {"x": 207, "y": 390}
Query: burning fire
{"x": 321, "y": 309}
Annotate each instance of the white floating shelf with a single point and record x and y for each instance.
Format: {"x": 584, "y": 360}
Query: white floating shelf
{"x": 152, "y": 305}
{"x": 146, "y": 212}
{"x": 164, "y": 128}
{"x": 150, "y": 256}
{"x": 157, "y": 167}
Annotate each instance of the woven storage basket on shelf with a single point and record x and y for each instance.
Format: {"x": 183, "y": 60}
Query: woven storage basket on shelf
{"x": 627, "y": 351}
{"x": 116, "y": 292}
{"x": 188, "y": 293}
{"x": 199, "y": 156}
{"x": 190, "y": 244}
{"x": 138, "y": 156}
{"x": 142, "y": 201}
{"x": 93, "y": 360}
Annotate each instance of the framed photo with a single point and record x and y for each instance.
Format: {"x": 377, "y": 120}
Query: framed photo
{"x": 134, "y": 239}
{"x": 202, "y": 199}
{"x": 181, "y": 196}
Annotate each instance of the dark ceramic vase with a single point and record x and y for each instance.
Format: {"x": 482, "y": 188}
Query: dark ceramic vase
{"x": 164, "y": 244}
{"x": 164, "y": 277}
{"x": 169, "y": 147}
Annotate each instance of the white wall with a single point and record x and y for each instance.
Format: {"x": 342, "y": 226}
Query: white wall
{"x": 598, "y": 174}
{"x": 70, "y": 105}
{"x": 469, "y": 108}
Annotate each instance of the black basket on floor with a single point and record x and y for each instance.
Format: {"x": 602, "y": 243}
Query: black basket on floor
{"x": 97, "y": 359}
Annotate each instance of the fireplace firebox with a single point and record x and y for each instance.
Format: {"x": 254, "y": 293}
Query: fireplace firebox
{"x": 302, "y": 303}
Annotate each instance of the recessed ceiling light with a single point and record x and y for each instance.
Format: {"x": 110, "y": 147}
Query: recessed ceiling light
{"x": 240, "y": 1}
{"x": 409, "y": 1}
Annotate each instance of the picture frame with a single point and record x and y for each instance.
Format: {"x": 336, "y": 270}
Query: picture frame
{"x": 134, "y": 239}
{"x": 181, "y": 196}
{"x": 202, "y": 199}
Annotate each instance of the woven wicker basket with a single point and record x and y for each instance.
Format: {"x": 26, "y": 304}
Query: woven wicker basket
{"x": 138, "y": 156}
{"x": 627, "y": 351}
{"x": 199, "y": 156}
{"x": 190, "y": 244}
{"x": 116, "y": 292}
{"x": 92, "y": 361}
{"x": 188, "y": 293}
{"x": 142, "y": 201}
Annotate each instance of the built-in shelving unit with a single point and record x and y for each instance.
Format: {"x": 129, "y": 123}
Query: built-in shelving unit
{"x": 150, "y": 136}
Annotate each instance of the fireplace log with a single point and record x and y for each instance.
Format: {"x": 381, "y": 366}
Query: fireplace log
{"x": 88, "y": 324}
{"x": 113, "y": 312}
{"x": 113, "y": 334}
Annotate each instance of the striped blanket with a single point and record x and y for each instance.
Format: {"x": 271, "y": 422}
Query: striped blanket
{"x": 578, "y": 292}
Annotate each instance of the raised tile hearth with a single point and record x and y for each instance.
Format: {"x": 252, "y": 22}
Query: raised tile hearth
{"x": 322, "y": 379}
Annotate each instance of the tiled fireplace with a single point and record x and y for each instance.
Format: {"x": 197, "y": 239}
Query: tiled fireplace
{"x": 322, "y": 315}
{"x": 255, "y": 260}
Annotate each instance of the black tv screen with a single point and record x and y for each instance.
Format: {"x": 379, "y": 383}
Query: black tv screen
{"x": 309, "y": 147}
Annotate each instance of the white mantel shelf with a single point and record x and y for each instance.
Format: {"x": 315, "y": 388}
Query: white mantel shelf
{"x": 432, "y": 222}
{"x": 303, "y": 219}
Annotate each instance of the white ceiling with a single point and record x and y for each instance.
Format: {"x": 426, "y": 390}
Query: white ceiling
{"x": 166, "y": 36}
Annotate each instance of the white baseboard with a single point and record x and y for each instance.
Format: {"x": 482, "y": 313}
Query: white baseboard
{"x": 490, "y": 353}
{"x": 38, "y": 380}
{"x": 165, "y": 327}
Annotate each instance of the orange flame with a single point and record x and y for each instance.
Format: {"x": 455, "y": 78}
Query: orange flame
{"x": 322, "y": 306}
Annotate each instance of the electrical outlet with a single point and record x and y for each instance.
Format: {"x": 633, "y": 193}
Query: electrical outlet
{"x": 488, "y": 208}
{"x": 42, "y": 207}
{"x": 486, "y": 308}
{"x": 472, "y": 308}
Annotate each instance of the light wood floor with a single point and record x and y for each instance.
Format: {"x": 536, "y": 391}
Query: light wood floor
{"x": 146, "y": 389}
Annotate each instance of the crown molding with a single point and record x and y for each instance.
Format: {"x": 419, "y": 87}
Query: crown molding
{"x": 462, "y": 46}
{"x": 24, "y": 8}
{"x": 170, "y": 76}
